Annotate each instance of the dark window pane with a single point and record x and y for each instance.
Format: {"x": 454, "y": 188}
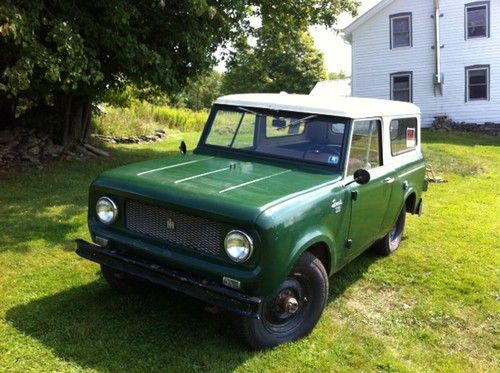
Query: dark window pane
{"x": 477, "y": 77}
{"x": 401, "y": 25}
{"x": 476, "y": 21}
{"x": 477, "y": 31}
{"x": 478, "y": 92}
{"x": 401, "y": 83}
{"x": 401, "y": 40}
{"x": 401, "y": 32}
{"x": 401, "y": 96}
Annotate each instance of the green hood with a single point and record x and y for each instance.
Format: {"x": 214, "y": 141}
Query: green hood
{"x": 229, "y": 187}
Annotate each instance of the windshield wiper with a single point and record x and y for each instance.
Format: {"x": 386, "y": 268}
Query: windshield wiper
{"x": 297, "y": 121}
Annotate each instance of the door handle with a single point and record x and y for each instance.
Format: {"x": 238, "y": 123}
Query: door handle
{"x": 389, "y": 180}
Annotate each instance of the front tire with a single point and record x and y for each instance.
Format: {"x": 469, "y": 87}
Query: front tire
{"x": 123, "y": 282}
{"x": 294, "y": 309}
{"x": 390, "y": 243}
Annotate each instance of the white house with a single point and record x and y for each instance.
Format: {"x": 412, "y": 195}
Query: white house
{"x": 394, "y": 56}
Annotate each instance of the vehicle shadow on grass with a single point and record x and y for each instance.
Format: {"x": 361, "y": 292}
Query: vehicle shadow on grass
{"x": 162, "y": 330}
{"x": 50, "y": 204}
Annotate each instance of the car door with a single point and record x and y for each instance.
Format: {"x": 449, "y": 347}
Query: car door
{"x": 368, "y": 202}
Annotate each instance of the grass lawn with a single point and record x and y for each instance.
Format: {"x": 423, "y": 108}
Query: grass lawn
{"x": 433, "y": 306}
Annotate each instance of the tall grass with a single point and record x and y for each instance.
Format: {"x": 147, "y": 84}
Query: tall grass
{"x": 143, "y": 119}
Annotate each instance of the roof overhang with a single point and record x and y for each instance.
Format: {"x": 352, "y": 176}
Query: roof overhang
{"x": 347, "y": 32}
{"x": 349, "y": 107}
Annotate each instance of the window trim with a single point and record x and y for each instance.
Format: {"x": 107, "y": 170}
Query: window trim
{"x": 398, "y": 74}
{"x": 467, "y": 91}
{"x": 488, "y": 18}
{"x": 407, "y": 150}
{"x": 410, "y": 29}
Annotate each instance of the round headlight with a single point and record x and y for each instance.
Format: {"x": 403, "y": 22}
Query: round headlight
{"x": 106, "y": 210}
{"x": 239, "y": 246}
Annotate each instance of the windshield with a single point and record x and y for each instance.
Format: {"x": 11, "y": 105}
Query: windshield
{"x": 299, "y": 136}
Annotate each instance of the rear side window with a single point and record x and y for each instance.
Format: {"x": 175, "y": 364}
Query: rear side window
{"x": 403, "y": 135}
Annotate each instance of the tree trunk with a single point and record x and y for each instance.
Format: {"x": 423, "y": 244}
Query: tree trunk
{"x": 7, "y": 111}
{"x": 75, "y": 113}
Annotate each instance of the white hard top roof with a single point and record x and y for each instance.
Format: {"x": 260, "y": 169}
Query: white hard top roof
{"x": 349, "y": 107}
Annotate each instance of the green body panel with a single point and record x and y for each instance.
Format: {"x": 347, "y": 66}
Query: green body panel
{"x": 287, "y": 208}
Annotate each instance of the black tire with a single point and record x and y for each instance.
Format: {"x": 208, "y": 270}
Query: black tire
{"x": 123, "y": 282}
{"x": 278, "y": 323}
{"x": 390, "y": 243}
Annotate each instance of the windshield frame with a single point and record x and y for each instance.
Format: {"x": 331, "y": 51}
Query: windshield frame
{"x": 204, "y": 147}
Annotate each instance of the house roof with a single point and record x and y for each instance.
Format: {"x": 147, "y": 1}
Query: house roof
{"x": 347, "y": 32}
{"x": 349, "y": 107}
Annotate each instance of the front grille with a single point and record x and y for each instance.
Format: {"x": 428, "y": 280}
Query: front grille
{"x": 175, "y": 228}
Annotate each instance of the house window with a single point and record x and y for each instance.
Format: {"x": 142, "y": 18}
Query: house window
{"x": 400, "y": 25}
{"x": 477, "y": 19}
{"x": 477, "y": 82}
{"x": 401, "y": 87}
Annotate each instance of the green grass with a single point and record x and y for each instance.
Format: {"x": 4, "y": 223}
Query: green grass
{"x": 142, "y": 118}
{"x": 433, "y": 306}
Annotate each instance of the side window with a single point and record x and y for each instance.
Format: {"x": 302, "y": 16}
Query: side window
{"x": 477, "y": 19}
{"x": 232, "y": 129}
{"x": 365, "y": 146}
{"x": 401, "y": 30}
{"x": 403, "y": 135}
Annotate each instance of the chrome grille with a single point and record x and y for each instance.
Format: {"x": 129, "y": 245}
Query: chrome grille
{"x": 175, "y": 228}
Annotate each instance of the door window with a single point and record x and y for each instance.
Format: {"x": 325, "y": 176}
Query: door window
{"x": 365, "y": 146}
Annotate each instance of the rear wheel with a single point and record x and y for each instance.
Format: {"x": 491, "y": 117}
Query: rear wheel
{"x": 390, "y": 243}
{"x": 294, "y": 309}
{"x": 123, "y": 282}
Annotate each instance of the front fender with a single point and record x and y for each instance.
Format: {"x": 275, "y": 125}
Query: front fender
{"x": 310, "y": 239}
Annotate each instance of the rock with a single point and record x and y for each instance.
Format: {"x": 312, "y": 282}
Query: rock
{"x": 53, "y": 150}
{"x": 7, "y": 136}
{"x": 35, "y": 150}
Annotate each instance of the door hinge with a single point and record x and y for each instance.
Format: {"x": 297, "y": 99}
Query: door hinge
{"x": 354, "y": 195}
{"x": 348, "y": 243}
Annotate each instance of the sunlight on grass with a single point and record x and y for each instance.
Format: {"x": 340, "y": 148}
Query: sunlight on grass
{"x": 433, "y": 306}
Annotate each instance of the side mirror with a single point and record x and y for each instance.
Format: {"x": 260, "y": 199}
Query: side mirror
{"x": 183, "y": 148}
{"x": 279, "y": 123}
{"x": 361, "y": 176}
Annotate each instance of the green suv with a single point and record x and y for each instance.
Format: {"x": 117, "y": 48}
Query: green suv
{"x": 281, "y": 192}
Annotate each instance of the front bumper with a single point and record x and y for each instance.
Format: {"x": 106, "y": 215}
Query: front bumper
{"x": 207, "y": 291}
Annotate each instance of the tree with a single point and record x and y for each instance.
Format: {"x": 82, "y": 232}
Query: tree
{"x": 67, "y": 53}
{"x": 333, "y": 75}
{"x": 200, "y": 92}
{"x": 284, "y": 58}
{"x": 276, "y": 64}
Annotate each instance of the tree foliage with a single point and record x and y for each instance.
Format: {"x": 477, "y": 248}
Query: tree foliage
{"x": 66, "y": 53}
{"x": 276, "y": 64}
{"x": 337, "y": 75}
{"x": 71, "y": 51}
{"x": 284, "y": 57}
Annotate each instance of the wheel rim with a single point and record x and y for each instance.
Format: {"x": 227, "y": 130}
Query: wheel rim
{"x": 397, "y": 230}
{"x": 287, "y": 308}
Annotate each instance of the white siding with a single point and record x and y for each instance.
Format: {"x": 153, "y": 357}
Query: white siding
{"x": 373, "y": 61}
